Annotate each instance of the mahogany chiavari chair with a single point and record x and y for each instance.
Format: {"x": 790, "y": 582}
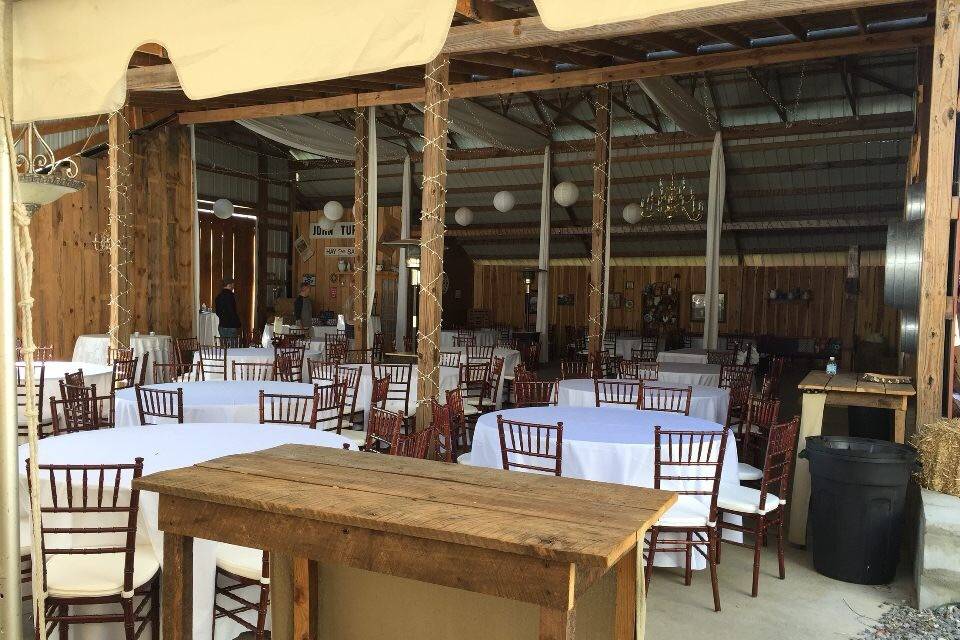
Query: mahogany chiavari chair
{"x": 642, "y": 354}
{"x": 640, "y": 370}
{"x": 736, "y": 375}
{"x": 721, "y": 357}
{"x": 508, "y": 343}
{"x": 229, "y": 342}
{"x": 213, "y": 362}
{"x": 648, "y": 344}
{"x": 733, "y": 343}
{"x": 185, "y": 349}
{"x": 764, "y": 506}
{"x": 322, "y": 371}
{"x": 358, "y": 356}
{"x": 335, "y": 351}
{"x": 289, "y": 408}
{"x": 77, "y": 413}
{"x": 535, "y": 393}
{"x": 350, "y": 376}
{"x": 167, "y": 372}
{"x": 775, "y": 367}
{"x": 88, "y": 528}
{"x": 575, "y": 370}
{"x": 398, "y": 392}
{"x": 241, "y": 568}
{"x": 328, "y": 407}
{"x": 286, "y": 365}
{"x": 670, "y": 399}
{"x": 472, "y": 383}
{"x": 688, "y": 463}
{"x": 40, "y": 353}
{"x": 441, "y": 445}
{"x": 603, "y": 364}
{"x": 491, "y": 387}
{"x": 617, "y": 392}
{"x": 768, "y": 386}
{"x": 119, "y": 353}
{"x": 530, "y": 355}
{"x": 74, "y": 379}
{"x": 383, "y": 431}
{"x": 459, "y": 430}
{"x": 105, "y": 404}
{"x": 260, "y": 371}
{"x": 159, "y": 403}
{"x": 39, "y": 372}
{"x": 737, "y": 407}
{"x": 464, "y": 341}
{"x": 124, "y": 374}
{"x": 422, "y": 444}
{"x": 521, "y": 441}
{"x": 377, "y": 350}
{"x": 449, "y": 358}
{"x": 479, "y": 353}
{"x": 762, "y": 414}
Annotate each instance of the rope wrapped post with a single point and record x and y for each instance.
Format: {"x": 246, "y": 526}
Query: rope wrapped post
{"x": 435, "y": 126}
{"x": 360, "y": 230}
{"x": 598, "y": 257}
{"x": 119, "y": 169}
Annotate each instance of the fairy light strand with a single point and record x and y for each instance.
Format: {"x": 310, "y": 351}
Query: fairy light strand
{"x": 360, "y": 229}
{"x": 598, "y": 226}
{"x": 122, "y": 217}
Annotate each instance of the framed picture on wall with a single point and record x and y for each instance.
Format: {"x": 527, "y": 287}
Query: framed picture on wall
{"x": 698, "y": 307}
{"x": 565, "y": 300}
{"x": 615, "y": 301}
{"x": 628, "y": 304}
{"x": 628, "y": 284}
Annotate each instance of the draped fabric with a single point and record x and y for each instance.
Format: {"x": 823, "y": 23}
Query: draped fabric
{"x": 316, "y": 136}
{"x": 471, "y": 119}
{"x": 561, "y": 15}
{"x": 606, "y": 237}
{"x": 403, "y": 274}
{"x": 373, "y": 216}
{"x": 543, "y": 261}
{"x": 715, "y": 200}
{"x": 678, "y": 104}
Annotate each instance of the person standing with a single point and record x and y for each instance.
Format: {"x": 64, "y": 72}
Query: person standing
{"x": 303, "y": 307}
{"x": 225, "y": 306}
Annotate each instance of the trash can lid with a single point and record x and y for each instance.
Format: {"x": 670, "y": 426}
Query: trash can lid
{"x": 861, "y": 449}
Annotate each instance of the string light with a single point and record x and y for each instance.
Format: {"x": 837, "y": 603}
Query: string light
{"x": 595, "y": 319}
{"x": 360, "y": 230}
{"x": 122, "y": 218}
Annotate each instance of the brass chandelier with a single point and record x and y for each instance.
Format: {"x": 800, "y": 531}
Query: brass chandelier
{"x": 672, "y": 199}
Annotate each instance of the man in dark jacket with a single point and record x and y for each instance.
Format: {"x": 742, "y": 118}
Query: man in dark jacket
{"x": 226, "y": 307}
{"x": 303, "y": 307}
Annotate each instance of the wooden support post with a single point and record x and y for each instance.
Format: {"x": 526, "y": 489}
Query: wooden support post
{"x": 360, "y": 232}
{"x": 556, "y": 624}
{"x": 601, "y": 164}
{"x": 851, "y": 295}
{"x": 936, "y": 222}
{"x": 626, "y": 612}
{"x": 432, "y": 226}
{"x": 118, "y": 177}
{"x": 177, "y": 587}
{"x": 260, "y": 247}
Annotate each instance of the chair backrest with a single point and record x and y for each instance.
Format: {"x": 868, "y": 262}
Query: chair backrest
{"x": 441, "y": 445}
{"x": 229, "y": 342}
{"x": 689, "y": 462}
{"x": 575, "y": 370}
{"x": 521, "y": 373}
{"x": 383, "y": 430}
{"x": 670, "y": 399}
{"x": 768, "y": 386}
{"x": 159, "y": 403}
{"x": 185, "y": 348}
{"x": 119, "y": 353}
{"x": 494, "y": 376}
{"x": 350, "y": 376}
{"x": 289, "y": 408}
{"x": 643, "y": 354}
{"x": 508, "y": 343}
{"x": 164, "y": 372}
{"x": 380, "y": 392}
{"x": 775, "y": 367}
{"x": 473, "y": 378}
{"x": 40, "y": 353}
{"x": 735, "y": 375}
{"x": 329, "y": 406}
{"x": 376, "y": 352}
{"x": 288, "y": 365}
{"x": 358, "y": 356}
{"x": 762, "y": 412}
{"x": 399, "y": 388}
{"x": 458, "y": 421}
{"x": 479, "y": 353}
{"x": 530, "y": 354}
{"x": 252, "y": 371}
{"x": 520, "y": 441}
{"x": 535, "y": 393}
{"x": 104, "y": 494}
{"x": 124, "y": 374}
{"x": 779, "y": 459}
{"x": 616, "y": 392}
{"x": 76, "y": 413}
{"x": 721, "y": 357}
{"x": 450, "y": 358}
{"x": 321, "y": 371}
{"x": 639, "y": 370}
{"x": 464, "y": 341}
{"x": 74, "y": 379}
{"x": 335, "y": 351}
{"x": 213, "y": 362}
{"x": 39, "y": 372}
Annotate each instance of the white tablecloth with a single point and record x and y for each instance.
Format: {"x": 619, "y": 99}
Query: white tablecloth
{"x": 253, "y": 355}
{"x": 626, "y": 345}
{"x": 708, "y": 403}
{"x": 93, "y": 348}
{"x": 208, "y": 328}
{"x": 605, "y": 444}
{"x": 165, "y": 447}
{"x": 449, "y": 379}
{"x": 689, "y": 373}
{"x": 511, "y": 358}
{"x": 697, "y": 356}
{"x": 211, "y": 401}
{"x": 487, "y": 337}
{"x": 54, "y": 371}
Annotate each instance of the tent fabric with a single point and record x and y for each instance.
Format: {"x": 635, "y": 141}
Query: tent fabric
{"x": 70, "y": 58}
{"x": 316, "y": 136}
{"x": 543, "y": 260}
{"x": 563, "y": 15}
{"x": 715, "y": 199}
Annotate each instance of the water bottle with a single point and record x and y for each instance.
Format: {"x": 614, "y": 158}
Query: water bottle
{"x": 832, "y": 366}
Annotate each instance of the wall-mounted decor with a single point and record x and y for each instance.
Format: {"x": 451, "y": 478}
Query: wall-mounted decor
{"x": 628, "y": 284}
{"x": 310, "y": 279}
{"x": 339, "y": 252}
{"x": 661, "y": 307}
{"x": 338, "y": 229}
{"x": 333, "y": 293}
{"x": 698, "y": 303}
{"x": 564, "y": 299}
{"x": 615, "y": 301}
{"x": 628, "y": 304}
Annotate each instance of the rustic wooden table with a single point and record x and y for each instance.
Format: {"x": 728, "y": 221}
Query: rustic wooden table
{"x": 530, "y": 538}
{"x": 844, "y": 390}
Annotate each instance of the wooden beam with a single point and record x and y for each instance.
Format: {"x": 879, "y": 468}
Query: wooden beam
{"x": 669, "y": 42}
{"x": 849, "y": 89}
{"x": 360, "y": 233}
{"x": 728, "y": 35}
{"x": 936, "y": 221}
{"x": 436, "y": 100}
{"x": 792, "y": 26}
{"x": 508, "y": 61}
{"x": 598, "y": 257}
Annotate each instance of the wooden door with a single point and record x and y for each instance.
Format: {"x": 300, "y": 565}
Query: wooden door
{"x": 228, "y": 249}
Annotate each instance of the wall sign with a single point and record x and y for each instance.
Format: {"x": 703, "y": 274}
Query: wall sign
{"x": 339, "y": 252}
{"x": 340, "y": 230}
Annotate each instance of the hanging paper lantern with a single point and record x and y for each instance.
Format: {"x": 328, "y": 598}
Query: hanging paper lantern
{"x": 326, "y": 224}
{"x": 333, "y": 210}
{"x": 632, "y": 213}
{"x": 223, "y": 208}
{"x": 504, "y": 201}
{"x": 463, "y": 216}
{"x": 566, "y": 194}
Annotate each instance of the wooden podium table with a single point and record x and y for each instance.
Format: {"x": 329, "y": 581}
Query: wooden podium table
{"x": 844, "y": 390}
{"x": 534, "y": 539}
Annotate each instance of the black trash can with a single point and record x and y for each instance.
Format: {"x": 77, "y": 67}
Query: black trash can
{"x": 857, "y": 493}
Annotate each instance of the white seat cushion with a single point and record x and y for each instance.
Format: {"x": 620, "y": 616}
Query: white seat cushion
{"x": 242, "y": 561}
{"x": 463, "y": 458}
{"x": 356, "y": 437}
{"x": 748, "y": 472}
{"x": 745, "y": 500}
{"x": 687, "y": 512}
{"x": 98, "y": 574}
{"x": 470, "y": 408}
{"x": 26, "y": 535}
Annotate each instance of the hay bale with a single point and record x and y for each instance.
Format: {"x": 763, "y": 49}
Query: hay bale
{"x": 939, "y": 447}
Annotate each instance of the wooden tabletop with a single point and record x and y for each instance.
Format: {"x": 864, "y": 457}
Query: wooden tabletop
{"x": 851, "y": 383}
{"x": 559, "y": 519}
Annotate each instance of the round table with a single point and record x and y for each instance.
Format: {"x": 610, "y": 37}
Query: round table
{"x": 255, "y": 355}
{"x": 708, "y": 403}
{"x": 93, "y": 348}
{"x": 55, "y": 370}
{"x": 449, "y": 379}
{"x": 211, "y": 401}
{"x": 603, "y": 444}
{"x": 488, "y": 337}
{"x": 165, "y": 447}
{"x": 511, "y": 358}
{"x": 689, "y": 354}
{"x": 689, "y": 373}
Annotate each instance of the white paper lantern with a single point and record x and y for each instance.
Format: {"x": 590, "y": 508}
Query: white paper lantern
{"x": 223, "y": 208}
{"x": 326, "y": 224}
{"x": 463, "y": 216}
{"x": 504, "y": 201}
{"x": 566, "y": 194}
{"x": 632, "y": 213}
{"x": 333, "y": 210}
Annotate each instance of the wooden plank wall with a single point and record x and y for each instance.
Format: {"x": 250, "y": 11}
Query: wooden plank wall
{"x": 500, "y": 289}
{"x": 70, "y": 281}
{"x": 227, "y": 250}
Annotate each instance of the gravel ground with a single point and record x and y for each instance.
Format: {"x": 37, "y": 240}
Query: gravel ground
{"x": 901, "y": 622}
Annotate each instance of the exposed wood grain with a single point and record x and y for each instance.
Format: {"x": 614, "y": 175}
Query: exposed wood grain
{"x": 556, "y": 624}
{"x": 360, "y": 292}
{"x": 625, "y": 612}
{"x": 177, "y": 607}
{"x": 301, "y": 599}
{"x": 118, "y": 176}
{"x": 281, "y": 583}
{"x": 598, "y": 245}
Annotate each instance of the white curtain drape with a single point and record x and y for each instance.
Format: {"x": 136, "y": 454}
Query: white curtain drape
{"x": 562, "y": 15}
{"x": 373, "y": 216}
{"x": 403, "y": 274}
{"x": 543, "y": 260}
{"x": 316, "y": 137}
{"x": 715, "y": 200}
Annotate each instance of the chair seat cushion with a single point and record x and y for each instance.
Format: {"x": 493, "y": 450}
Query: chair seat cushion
{"x": 745, "y": 500}
{"x": 687, "y": 512}
{"x": 98, "y": 574}
{"x": 464, "y": 458}
{"x": 356, "y": 437}
{"x": 242, "y": 561}
{"x": 748, "y": 472}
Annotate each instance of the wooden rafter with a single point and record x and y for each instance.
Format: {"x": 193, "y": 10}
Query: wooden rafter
{"x": 728, "y": 35}
{"x": 792, "y": 26}
{"x": 849, "y": 87}
{"x": 636, "y": 114}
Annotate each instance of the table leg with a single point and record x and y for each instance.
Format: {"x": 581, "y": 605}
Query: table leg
{"x": 900, "y": 423}
{"x": 811, "y": 424}
{"x": 301, "y": 599}
{"x": 625, "y": 613}
{"x": 177, "y": 606}
{"x": 641, "y": 593}
{"x": 556, "y": 624}
{"x": 281, "y": 596}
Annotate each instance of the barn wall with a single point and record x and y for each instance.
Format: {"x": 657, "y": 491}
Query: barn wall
{"x": 71, "y": 283}
{"x": 499, "y": 288}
